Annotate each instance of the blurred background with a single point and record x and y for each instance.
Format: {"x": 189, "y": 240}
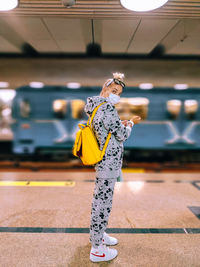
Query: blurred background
{"x": 53, "y": 57}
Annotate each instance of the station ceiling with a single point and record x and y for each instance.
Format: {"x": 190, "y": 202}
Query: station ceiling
{"x": 47, "y": 27}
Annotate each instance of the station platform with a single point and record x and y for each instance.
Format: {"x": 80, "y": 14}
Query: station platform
{"x": 45, "y": 219}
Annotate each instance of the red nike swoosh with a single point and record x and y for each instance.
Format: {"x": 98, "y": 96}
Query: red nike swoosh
{"x": 98, "y": 255}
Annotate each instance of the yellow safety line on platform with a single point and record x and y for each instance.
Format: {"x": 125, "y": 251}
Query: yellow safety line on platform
{"x": 133, "y": 170}
{"x": 37, "y": 183}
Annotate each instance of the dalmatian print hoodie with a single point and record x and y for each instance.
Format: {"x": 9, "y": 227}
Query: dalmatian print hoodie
{"x": 107, "y": 120}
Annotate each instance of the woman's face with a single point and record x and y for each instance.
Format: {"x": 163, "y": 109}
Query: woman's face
{"x": 112, "y": 88}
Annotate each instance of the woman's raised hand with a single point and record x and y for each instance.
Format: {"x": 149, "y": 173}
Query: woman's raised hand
{"x": 125, "y": 122}
{"x": 136, "y": 119}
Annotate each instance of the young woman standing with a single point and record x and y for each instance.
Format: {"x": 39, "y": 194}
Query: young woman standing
{"x": 108, "y": 169}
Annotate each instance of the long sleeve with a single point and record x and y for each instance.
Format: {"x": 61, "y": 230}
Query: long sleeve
{"x": 113, "y": 124}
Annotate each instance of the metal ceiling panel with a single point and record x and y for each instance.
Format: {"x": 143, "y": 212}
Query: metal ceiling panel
{"x": 185, "y": 39}
{"x": 7, "y": 47}
{"x": 34, "y": 32}
{"x": 10, "y": 36}
{"x": 71, "y": 35}
{"x": 114, "y": 35}
{"x": 149, "y": 33}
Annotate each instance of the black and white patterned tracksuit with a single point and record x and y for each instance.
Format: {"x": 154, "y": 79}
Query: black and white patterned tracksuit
{"x": 101, "y": 208}
{"x": 109, "y": 168}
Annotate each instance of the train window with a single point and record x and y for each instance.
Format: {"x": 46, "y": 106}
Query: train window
{"x": 190, "y": 107}
{"x": 60, "y": 108}
{"x": 174, "y": 108}
{"x": 130, "y": 106}
{"x": 25, "y": 108}
{"x": 77, "y": 108}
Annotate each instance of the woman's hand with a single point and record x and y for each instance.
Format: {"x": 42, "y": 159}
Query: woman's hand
{"x": 125, "y": 122}
{"x": 136, "y": 119}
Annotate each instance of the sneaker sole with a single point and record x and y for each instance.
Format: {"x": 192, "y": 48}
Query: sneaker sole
{"x": 100, "y": 260}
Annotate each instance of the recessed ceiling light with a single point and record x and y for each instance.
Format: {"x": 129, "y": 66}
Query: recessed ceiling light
{"x": 6, "y": 5}
{"x": 36, "y": 84}
{"x": 180, "y": 86}
{"x": 73, "y": 85}
{"x": 146, "y": 86}
{"x": 4, "y": 84}
{"x": 142, "y": 5}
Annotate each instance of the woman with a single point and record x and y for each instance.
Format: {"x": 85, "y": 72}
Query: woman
{"x": 108, "y": 169}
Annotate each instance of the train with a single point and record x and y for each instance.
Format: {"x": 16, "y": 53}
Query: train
{"x": 47, "y": 118}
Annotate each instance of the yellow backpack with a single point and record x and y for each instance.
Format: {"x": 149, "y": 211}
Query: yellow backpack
{"x": 86, "y": 146}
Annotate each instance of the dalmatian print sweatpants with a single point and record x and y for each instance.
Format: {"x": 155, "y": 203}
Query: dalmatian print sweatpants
{"x": 101, "y": 208}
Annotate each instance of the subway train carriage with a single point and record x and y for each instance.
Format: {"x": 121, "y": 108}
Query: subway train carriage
{"x": 47, "y": 118}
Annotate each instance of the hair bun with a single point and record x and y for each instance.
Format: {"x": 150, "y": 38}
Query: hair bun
{"x": 119, "y": 76}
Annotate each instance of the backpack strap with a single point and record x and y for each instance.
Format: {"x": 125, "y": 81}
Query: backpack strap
{"x": 106, "y": 143}
{"x": 89, "y": 122}
{"x": 109, "y": 134}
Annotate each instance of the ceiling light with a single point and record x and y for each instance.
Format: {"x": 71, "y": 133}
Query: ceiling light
{"x": 146, "y": 86}
{"x": 36, "y": 84}
{"x": 73, "y": 85}
{"x": 6, "y": 5}
{"x": 142, "y": 5}
{"x": 180, "y": 86}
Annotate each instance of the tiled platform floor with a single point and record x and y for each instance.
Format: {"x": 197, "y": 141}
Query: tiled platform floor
{"x": 144, "y": 202}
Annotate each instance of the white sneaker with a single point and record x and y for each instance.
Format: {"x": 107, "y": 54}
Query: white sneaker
{"x": 102, "y": 253}
{"x": 109, "y": 240}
